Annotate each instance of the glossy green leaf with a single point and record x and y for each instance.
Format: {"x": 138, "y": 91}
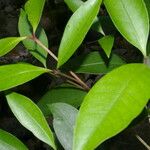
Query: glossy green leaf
{"x": 131, "y": 19}
{"x": 97, "y": 26}
{"x": 25, "y": 29}
{"x": 76, "y": 29}
{"x": 7, "y": 44}
{"x": 107, "y": 43}
{"x": 10, "y": 142}
{"x": 34, "y": 9}
{"x": 93, "y": 63}
{"x": 16, "y": 74}
{"x": 30, "y": 116}
{"x": 64, "y": 120}
{"x": 110, "y": 106}
{"x": 39, "y": 53}
{"x": 64, "y": 94}
{"x": 75, "y": 4}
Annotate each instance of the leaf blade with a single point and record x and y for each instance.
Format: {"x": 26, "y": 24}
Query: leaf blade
{"x": 64, "y": 120}
{"x": 7, "y": 44}
{"x": 93, "y": 63}
{"x": 32, "y": 119}
{"x": 75, "y": 4}
{"x": 25, "y": 29}
{"x": 34, "y": 15}
{"x": 61, "y": 94}
{"x": 16, "y": 74}
{"x": 76, "y": 29}
{"x": 147, "y": 2}
{"x": 109, "y": 105}
{"x": 132, "y": 21}
{"x": 10, "y": 142}
{"x": 107, "y": 43}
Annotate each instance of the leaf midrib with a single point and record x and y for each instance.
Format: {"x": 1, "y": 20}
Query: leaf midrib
{"x": 137, "y": 37}
{"x": 88, "y": 17}
{"x": 114, "y": 103}
{"x": 23, "y": 72}
{"x": 36, "y": 122}
{"x": 9, "y": 45}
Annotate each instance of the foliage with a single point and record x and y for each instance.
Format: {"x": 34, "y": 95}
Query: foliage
{"x": 105, "y": 109}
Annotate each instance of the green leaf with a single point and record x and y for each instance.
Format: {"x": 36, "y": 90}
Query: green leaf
{"x": 64, "y": 94}
{"x": 107, "y": 43}
{"x": 10, "y": 142}
{"x": 34, "y": 9}
{"x": 75, "y": 4}
{"x": 64, "y": 120}
{"x": 132, "y": 20}
{"x": 7, "y": 44}
{"x": 76, "y": 29}
{"x": 16, "y": 74}
{"x": 97, "y": 26}
{"x": 93, "y": 63}
{"x": 111, "y": 105}
{"x": 25, "y": 30}
{"x": 39, "y": 53}
{"x": 30, "y": 116}
{"x": 147, "y": 2}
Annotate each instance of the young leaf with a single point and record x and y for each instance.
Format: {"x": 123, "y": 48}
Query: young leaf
{"x": 75, "y": 4}
{"x": 25, "y": 30}
{"x": 107, "y": 43}
{"x": 76, "y": 29}
{"x": 10, "y": 142}
{"x": 64, "y": 120}
{"x": 111, "y": 105}
{"x": 7, "y": 44}
{"x": 16, "y": 74}
{"x": 30, "y": 116}
{"x": 131, "y": 19}
{"x": 93, "y": 63}
{"x": 34, "y": 9}
{"x": 64, "y": 94}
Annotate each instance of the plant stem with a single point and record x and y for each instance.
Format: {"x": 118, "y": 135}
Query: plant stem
{"x": 143, "y": 142}
{"x": 146, "y": 60}
{"x": 77, "y": 85}
{"x": 44, "y": 47}
{"x": 74, "y": 77}
{"x": 79, "y": 81}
